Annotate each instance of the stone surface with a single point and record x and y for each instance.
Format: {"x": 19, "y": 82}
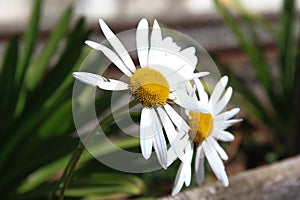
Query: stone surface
{"x": 277, "y": 181}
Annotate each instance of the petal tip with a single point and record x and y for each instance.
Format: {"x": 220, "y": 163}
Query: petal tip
{"x": 101, "y": 22}
{"x": 146, "y": 155}
{"x": 155, "y": 24}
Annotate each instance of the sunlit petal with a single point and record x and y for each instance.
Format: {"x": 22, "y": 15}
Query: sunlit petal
{"x": 199, "y": 165}
{"x": 223, "y": 101}
{"x": 88, "y": 78}
{"x": 218, "y": 91}
{"x": 202, "y": 94}
{"x": 224, "y": 136}
{"x": 218, "y": 148}
{"x": 117, "y": 45}
{"x": 114, "y": 58}
{"x": 227, "y": 115}
{"x": 142, "y": 42}
{"x": 176, "y": 118}
{"x": 146, "y": 133}
{"x": 160, "y": 145}
{"x": 215, "y": 163}
{"x": 179, "y": 180}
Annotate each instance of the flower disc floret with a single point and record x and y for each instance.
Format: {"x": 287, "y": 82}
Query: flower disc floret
{"x": 149, "y": 87}
{"x": 201, "y": 126}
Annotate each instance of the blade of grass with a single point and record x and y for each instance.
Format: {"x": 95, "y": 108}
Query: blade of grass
{"x": 64, "y": 66}
{"x": 258, "y": 48}
{"x": 8, "y": 89}
{"x": 37, "y": 69}
{"x": 287, "y": 45}
{"x": 50, "y": 84}
{"x": 30, "y": 39}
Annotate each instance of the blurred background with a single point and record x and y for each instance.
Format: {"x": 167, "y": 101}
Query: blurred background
{"x": 42, "y": 42}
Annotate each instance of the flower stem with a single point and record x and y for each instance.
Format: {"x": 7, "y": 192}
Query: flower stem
{"x": 75, "y": 158}
{"x": 67, "y": 174}
{"x": 68, "y": 171}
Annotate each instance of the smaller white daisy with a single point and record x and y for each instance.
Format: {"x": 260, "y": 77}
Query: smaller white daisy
{"x": 205, "y": 130}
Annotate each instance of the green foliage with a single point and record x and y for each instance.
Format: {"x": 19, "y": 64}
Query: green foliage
{"x": 278, "y": 110}
{"x": 36, "y": 141}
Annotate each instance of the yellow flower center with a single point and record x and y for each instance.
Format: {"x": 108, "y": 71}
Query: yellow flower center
{"x": 149, "y": 87}
{"x": 201, "y": 126}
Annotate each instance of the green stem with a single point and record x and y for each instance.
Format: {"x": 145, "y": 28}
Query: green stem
{"x": 68, "y": 172}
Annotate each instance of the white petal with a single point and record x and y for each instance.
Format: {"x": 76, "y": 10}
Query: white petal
{"x": 188, "y": 174}
{"x": 169, "y": 44}
{"x": 146, "y": 133}
{"x": 170, "y": 55}
{"x": 199, "y": 165}
{"x": 117, "y": 45}
{"x": 142, "y": 42}
{"x": 110, "y": 55}
{"x": 160, "y": 145}
{"x": 227, "y": 115}
{"x": 215, "y": 163}
{"x": 88, "y": 78}
{"x": 179, "y": 77}
{"x": 227, "y": 124}
{"x": 172, "y": 134}
{"x": 218, "y": 91}
{"x": 168, "y": 125}
{"x": 113, "y": 85}
{"x": 156, "y": 36}
{"x": 196, "y": 75}
{"x": 202, "y": 94}
{"x": 224, "y": 136}
{"x": 180, "y": 143}
{"x": 187, "y": 164}
{"x": 165, "y": 53}
{"x": 189, "y": 54}
{"x": 185, "y": 101}
{"x": 218, "y": 148}
{"x": 156, "y": 40}
{"x": 223, "y": 101}
{"x": 189, "y": 88}
{"x": 179, "y": 180}
{"x": 184, "y": 172}
{"x": 176, "y": 118}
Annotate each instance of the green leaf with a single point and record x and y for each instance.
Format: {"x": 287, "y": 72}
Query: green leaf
{"x": 64, "y": 66}
{"x": 29, "y": 42}
{"x": 42, "y": 174}
{"x": 8, "y": 86}
{"x": 106, "y": 183}
{"x": 287, "y": 46}
{"x": 32, "y": 155}
{"x": 60, "y": 94}
{"x": 37, "y": 69}
{"x": 62, "y": 114}
{"x": 34, "y": 113}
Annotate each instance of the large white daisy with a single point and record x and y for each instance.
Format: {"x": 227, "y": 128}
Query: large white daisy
{"x": 205, "y": 130}
{"x": 155, "y": 83}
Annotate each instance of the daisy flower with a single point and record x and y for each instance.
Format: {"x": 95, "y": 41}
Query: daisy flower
{"x": 163, "y": 67}
{"x": 205, "y": 130}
